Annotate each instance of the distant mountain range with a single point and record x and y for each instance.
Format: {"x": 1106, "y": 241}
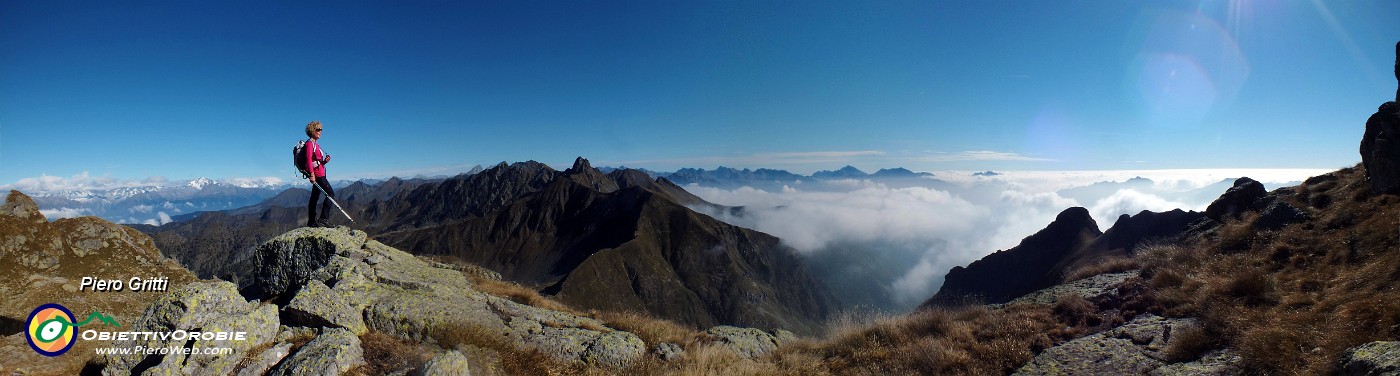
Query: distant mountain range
{"x": 772, "y": 179}
{"x": 620, "y": 241}
{"x": 157, "y": 203}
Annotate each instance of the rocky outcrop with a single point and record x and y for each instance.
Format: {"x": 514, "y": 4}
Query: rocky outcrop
{"x": 1372, "y": 359}
{"x": 202, "y": 307}
{"x": 334, "y": 285}
{"x": 263, "y": 362}
{"x": 1380, "y": 149}
{"x": 1135, "y": 348}
{"x": 1279, "y": 214}
{"x": 287, "y": 261}
{"x": 1005, "y": 275}
{"x": 1237, "y": 200}
{"x": 21, "y": 207}
{"x": 332, "y": 353}
{"x": 750, "y": 342}
{"x": 346, "y": 282}
{"x": 1092, "y": 288}
{"x": 1380, "y": 144}
{"x": 45, "y": 262}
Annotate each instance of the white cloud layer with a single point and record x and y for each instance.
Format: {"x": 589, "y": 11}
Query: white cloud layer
{"x": 82, "y": 181}
{"x": 45, "y": 184}
{"x": 60, "y": 213}
{"x": 962, "y": 222}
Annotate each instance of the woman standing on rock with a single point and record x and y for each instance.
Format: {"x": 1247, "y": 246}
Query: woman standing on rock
{"x": 316, "y": 160}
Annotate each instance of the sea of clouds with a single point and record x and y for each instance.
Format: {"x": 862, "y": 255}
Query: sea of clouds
{"x": 962, "y": 217}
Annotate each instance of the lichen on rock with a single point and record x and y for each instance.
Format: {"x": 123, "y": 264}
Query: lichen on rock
{"x": 196, "y": 307}
{"x": 1375, "y": 358}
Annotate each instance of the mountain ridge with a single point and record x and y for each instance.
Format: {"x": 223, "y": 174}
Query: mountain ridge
{"x": 536, "y": 225}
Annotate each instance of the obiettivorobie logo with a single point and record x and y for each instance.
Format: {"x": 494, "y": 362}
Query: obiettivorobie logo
{"x": 52, "y": 330}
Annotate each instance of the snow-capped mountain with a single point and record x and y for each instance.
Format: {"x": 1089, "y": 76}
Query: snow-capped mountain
{"x": 155, "y": 203}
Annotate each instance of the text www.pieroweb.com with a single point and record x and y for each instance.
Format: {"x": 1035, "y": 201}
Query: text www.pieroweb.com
{"x": 172, "y": 350}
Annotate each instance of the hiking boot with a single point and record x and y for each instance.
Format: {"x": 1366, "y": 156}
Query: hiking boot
{"x": 325, "y": 224}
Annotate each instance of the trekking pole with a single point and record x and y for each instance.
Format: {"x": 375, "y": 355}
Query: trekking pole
{"x": 337, "y": 204}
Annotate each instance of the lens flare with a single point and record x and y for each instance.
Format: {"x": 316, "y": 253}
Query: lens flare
{"x": 1186, "y": 67}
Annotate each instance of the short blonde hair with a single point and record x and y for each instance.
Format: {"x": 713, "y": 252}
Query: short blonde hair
{"x": 311, "y": 127}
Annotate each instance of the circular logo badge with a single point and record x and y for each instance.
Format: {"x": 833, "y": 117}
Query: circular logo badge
{"x": 50, "y": 330}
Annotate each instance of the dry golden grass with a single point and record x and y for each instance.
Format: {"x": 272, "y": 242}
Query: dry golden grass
{"x": 1113, "y": 264}
{"x": 650, "y": 329}
{"x": 519, "y": 294}
{"x": 968, "y": 340}
{"x": 1189, "y": 343}
{"x": 514, "y": 361}
{"x": 1290, "y": 301}
{"x": 385, "y": 354}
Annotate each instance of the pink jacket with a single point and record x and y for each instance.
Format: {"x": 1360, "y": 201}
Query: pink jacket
{"x": 314, "y": 156}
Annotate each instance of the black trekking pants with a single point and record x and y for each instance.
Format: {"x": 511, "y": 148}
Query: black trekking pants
{"x": 311, "y": 218}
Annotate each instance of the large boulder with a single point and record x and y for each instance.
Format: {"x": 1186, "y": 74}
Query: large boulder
{"x": 260, "y": 363}
{"x": 332, "y": 353}
{"x": 1380, "y": 145}
{"x": 286, "y": 262}
{"x": 1134, "y": 348}
{"x": 749, "y": 342}
{"x": 1237, "y": 200}
{"x": 203, "y": 307}
{"x": 1280, "y": 214}
{"x": 20, "y": 206}
{"x": 1380, "y": 149}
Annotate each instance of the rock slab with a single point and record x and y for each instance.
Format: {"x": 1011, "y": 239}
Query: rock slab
{"x": 1372, "y": 359}
{"x": 196, "y": 307}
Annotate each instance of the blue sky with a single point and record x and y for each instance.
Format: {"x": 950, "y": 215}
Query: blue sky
{"x": 133, "y": 90}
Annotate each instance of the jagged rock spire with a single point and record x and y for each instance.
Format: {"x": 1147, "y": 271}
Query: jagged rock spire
{"x": 1397, "y": 70}
{"x": 580, "y": 165}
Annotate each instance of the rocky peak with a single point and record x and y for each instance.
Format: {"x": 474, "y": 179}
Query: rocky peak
{"x": 844, "y": 173}
{"x": 1028, "y": 267}
{"x": 581, "y": 165}
{"x": 583, "y": 173}
{"x": 1076, "y": 218}
{"x": 899, "y": 172}
{"x": 21, "y": 206}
